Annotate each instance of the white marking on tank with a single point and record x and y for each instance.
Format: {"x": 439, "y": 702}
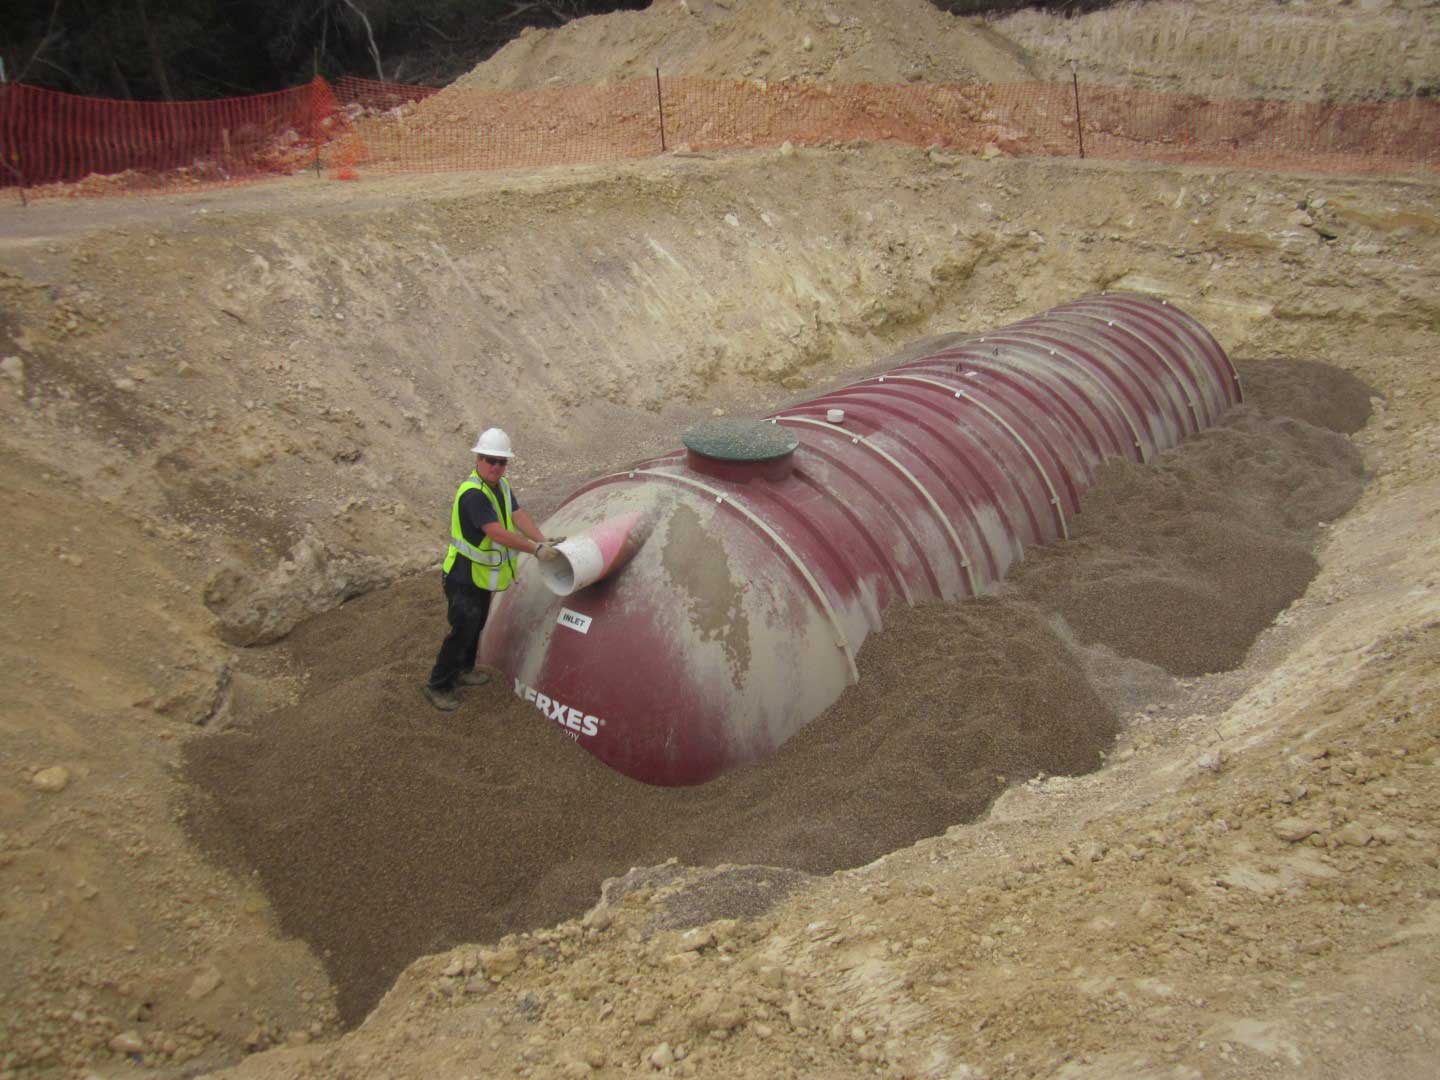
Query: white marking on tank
{"x": 576, "y": 722}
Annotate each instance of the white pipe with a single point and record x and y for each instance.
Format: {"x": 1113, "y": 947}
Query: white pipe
{"x": 587, "y": 557}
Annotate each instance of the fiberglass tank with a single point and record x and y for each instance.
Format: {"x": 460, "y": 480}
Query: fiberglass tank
{"x": 712, "y": 601}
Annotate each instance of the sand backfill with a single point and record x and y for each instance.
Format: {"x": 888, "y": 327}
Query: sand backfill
{"x": 382, "y": 830}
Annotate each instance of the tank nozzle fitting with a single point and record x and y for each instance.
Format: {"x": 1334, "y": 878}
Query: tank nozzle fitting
{"x": 587, "y": 557}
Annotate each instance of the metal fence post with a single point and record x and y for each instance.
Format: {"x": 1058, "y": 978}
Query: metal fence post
{"x": 1079, "y": 123}
{"x": 660, "y": 107}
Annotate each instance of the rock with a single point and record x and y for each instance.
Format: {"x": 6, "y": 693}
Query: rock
{"x": 127, "y": 1042}
{"x": 807, "y": 43}
{"x": 51, "y": 780}
{"x": 1294, "y": 829}
{"x": 204, "y": 983}
{"x": 787, "y": 149}
{"x": 13, "y": 368}
{"x": 1212, "y": 760}
{"x": 1091, "y": 851}
{"x": 1353, "y": 834}
{"x": 694, "y": 940}
{"x": 497, "y": 963}
{"x": 717, "y": 1012}
{"x": 797, "y": 1013}
{"x": 662, "y": 1057}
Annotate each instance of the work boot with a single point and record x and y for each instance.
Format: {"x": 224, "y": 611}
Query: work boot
{"x": 444, "y": 700}
{"x": 473, "y": 678}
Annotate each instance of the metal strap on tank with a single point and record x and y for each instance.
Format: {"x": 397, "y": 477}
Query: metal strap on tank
{"x": 1032, "y": 387}
{"x": 908, "y": 475}
{"x": 1180, "y": 383}
{"x": 1181, "y": 333}
{"x": 890, "y": 569}
{"x": 723, "y": 498}
{"x": 970, "y": 397}
{"x": 1076, "y": 365}
{"x": 1204, "y": 341}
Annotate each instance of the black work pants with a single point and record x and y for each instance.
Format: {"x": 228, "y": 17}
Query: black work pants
{"x": 466, "y": 606}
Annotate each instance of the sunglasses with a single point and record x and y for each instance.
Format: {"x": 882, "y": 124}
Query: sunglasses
{"x": 495, "y": 460}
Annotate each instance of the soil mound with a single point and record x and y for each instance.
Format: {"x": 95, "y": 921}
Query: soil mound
{"x": 1183, "y": 563}
{"x": 382, "y": 830}
{"x": 845, "y": 41}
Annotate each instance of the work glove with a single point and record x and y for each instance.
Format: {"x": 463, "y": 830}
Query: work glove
{"x": 546, "y": 552}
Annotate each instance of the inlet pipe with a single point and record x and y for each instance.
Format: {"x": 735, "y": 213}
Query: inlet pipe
{"x": 591, "y": 555}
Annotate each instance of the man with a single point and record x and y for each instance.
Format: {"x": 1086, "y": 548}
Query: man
{"x": 487, "y": 530}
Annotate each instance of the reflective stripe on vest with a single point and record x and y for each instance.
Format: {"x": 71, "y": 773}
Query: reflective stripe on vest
{"x": 492, "y": 565}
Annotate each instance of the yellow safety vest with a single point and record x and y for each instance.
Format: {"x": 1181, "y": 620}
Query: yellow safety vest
{"x": 492, "y": 565}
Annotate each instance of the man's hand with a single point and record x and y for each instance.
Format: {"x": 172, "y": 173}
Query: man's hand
{"x": 546, "y": 552}
{"x": 556, "y": 539}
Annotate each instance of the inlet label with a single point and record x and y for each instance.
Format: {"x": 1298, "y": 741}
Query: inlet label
{"x": 574, "y": 620}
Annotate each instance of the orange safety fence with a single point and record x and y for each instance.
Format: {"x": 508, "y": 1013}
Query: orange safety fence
{"x": 463, "y": 128}
{"x": 1366, "y": 137}
{"x": 60, "y": 144}
{"x": 57, "y": 144}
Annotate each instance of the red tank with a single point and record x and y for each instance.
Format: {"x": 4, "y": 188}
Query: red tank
{"x": 711, "y": 602}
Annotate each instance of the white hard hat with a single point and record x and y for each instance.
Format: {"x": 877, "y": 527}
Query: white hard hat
{"x": 493, "y": 443}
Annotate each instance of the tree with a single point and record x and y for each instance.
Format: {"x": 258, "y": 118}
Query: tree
{"x": 187, "y": 49}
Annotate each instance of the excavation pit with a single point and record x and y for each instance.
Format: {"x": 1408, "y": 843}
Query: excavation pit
{"x": 382, "y": 830}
